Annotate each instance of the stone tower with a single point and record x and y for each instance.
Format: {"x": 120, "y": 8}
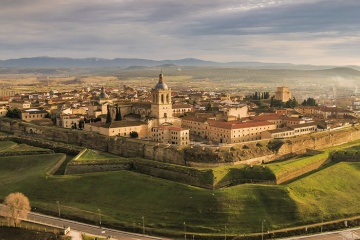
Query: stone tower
{"x": 283, "y": 94}
{"x": 161, "y": 105}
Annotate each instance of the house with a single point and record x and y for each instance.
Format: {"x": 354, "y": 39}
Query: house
{"x": 118, "y": 128}
{"x": 291, "y": 131}
{"x": 19, "y": 104}
{"x": 29, "y": 115}
{"x": 171, "y": 135}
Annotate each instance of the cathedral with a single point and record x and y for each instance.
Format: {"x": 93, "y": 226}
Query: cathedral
{"x": 152, "y": 119}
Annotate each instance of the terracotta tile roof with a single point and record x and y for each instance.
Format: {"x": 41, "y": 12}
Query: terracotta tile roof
{"x": 266, "y": 117}
{"x": 303, "y": 125}
{"x": 195, "y": 119}
{"x": 176, "y": 106}
{"x": 171, "y": 128}
{"x": 239, "y": 125}
{"x": 142, "y": 105}
{"x": 117, "y": 124}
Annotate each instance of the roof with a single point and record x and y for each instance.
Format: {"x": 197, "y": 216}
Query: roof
{"x": 266, "y": 117}
{"x": 171, "y": 128}
{"x": 117, "y": 124}
{"x": 239, "y": 125}
{"x": 280, "y": 130}
{"x": 292, "y": 119}
{"x": 303, "y": 125}
{"x": 177, "y": 106}
{"x": 34, "y": 111}
{"x": 161, "y": 84}
{"x": 146, "y": 105}
{"x": 195, "y": 118}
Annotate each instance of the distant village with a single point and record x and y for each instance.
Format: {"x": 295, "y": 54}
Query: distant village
{"x": 177, "y": 117}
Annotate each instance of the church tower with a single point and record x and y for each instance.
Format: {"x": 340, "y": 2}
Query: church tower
{"x": 161, "y": 105}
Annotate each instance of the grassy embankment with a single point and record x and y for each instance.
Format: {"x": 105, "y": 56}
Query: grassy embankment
{"x": 125, "y": 197}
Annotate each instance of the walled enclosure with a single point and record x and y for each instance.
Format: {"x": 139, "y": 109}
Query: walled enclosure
{"x": 189, "y": 156}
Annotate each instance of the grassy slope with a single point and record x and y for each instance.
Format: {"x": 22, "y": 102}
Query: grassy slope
{"x": 90, "y": 154}
{"x": 8, "y": 146}
{"x": 333, "y": 191}
{"x": 124, "y": 197}
{"x": 21, "y": 234}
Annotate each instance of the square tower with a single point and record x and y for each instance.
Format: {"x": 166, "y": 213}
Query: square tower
{"x": 283, "y": 94}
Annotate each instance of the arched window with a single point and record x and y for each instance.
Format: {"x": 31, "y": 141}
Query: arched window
{"x": 162, "y": 98}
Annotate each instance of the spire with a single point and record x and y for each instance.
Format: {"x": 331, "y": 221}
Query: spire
{"x": 161, "y": 77}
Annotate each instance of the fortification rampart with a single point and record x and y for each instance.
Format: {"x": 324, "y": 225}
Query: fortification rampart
{"x": 190, "y": 156}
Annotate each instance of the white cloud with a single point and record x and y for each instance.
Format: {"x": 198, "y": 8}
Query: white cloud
{"x": 298, "y": 31}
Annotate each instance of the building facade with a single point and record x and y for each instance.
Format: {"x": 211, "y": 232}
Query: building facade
{"x": 283, "y": 94}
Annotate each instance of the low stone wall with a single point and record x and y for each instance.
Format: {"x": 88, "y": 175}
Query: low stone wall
{"x": 89, "y": 168}
{"x": 288, "y": 176}
{"x": 345, "y": 156}
{"x": 36, "y": 142}
{"x": 24, "y": 153}
{"x": 52, "y": 170}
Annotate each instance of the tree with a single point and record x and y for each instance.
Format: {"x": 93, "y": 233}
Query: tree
{"x": 134, "y": 134}
{"x": 13, "y": 113}
{"x": 81, "y": 124}
{"x": 309, "y": 102}
{"x": 118, "y": 114}
{"x": 16, "y": 207}
{"x": 108, "y": 115}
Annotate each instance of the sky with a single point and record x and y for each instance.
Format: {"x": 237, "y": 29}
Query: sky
{"x": 319, "y": 32}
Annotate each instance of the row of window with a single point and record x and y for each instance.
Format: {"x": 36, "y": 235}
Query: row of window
{"x": 35, "y": 116}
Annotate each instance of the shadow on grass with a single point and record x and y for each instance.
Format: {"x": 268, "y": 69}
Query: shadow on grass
{"x": 247, "y": 174}
{"x": 322, "y": 167}
{"x": 62, "y": 168}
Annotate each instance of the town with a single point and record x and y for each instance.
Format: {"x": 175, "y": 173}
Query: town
{"x": 168, "y": 116}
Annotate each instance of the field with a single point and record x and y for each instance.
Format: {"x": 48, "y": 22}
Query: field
{"x": 21, "y": 234}
{"x": 236, "y": 80}
{"x": 125, "y": 197}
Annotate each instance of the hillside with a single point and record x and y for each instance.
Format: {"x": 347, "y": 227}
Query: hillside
{"x": 125, "y": 197}
{"x": 63, "y": 62}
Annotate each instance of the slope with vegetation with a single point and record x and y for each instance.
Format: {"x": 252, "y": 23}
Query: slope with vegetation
{"x": 124, "y": 197}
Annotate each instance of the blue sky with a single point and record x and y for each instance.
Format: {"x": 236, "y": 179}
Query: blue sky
{"x": 295, "y": 31}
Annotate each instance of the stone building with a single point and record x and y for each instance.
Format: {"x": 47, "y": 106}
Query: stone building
{"x": 141, "y": 117}
{"x": 221, "y": 131}
{"x": 29, "y": 115}
{"x": 161, "y": 105}
{"x": 19, "y": 104}
{"x": 171, "y": 135}
{"x": 291, "y": 131}
{"x": 118, "y": 128}
{"x": 283, "y": 94}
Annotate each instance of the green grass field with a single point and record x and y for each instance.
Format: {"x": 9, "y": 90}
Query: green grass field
{"x": 125, "y": 197}
{"x": 8, "y": 146}
{"x": 90, "y": 154}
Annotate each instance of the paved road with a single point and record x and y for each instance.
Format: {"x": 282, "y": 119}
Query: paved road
{"x": 348, "y": 234}
{"x": 90, "y": 229}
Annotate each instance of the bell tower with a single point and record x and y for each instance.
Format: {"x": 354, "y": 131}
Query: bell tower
{"x": 161, "y": 105}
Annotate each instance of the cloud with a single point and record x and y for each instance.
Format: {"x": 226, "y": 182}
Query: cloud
{"x": 299, "y": 31}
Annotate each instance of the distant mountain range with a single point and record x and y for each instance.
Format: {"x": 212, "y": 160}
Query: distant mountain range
{"x": 52, "y": 62}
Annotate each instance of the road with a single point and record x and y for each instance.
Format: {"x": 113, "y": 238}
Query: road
{"x": 348, "y": 234}
{"x": 87, "y": 228}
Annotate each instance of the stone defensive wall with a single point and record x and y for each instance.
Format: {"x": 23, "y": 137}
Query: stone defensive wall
{"x": 346, "y": 156}
{"x": 189, "y": 156}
